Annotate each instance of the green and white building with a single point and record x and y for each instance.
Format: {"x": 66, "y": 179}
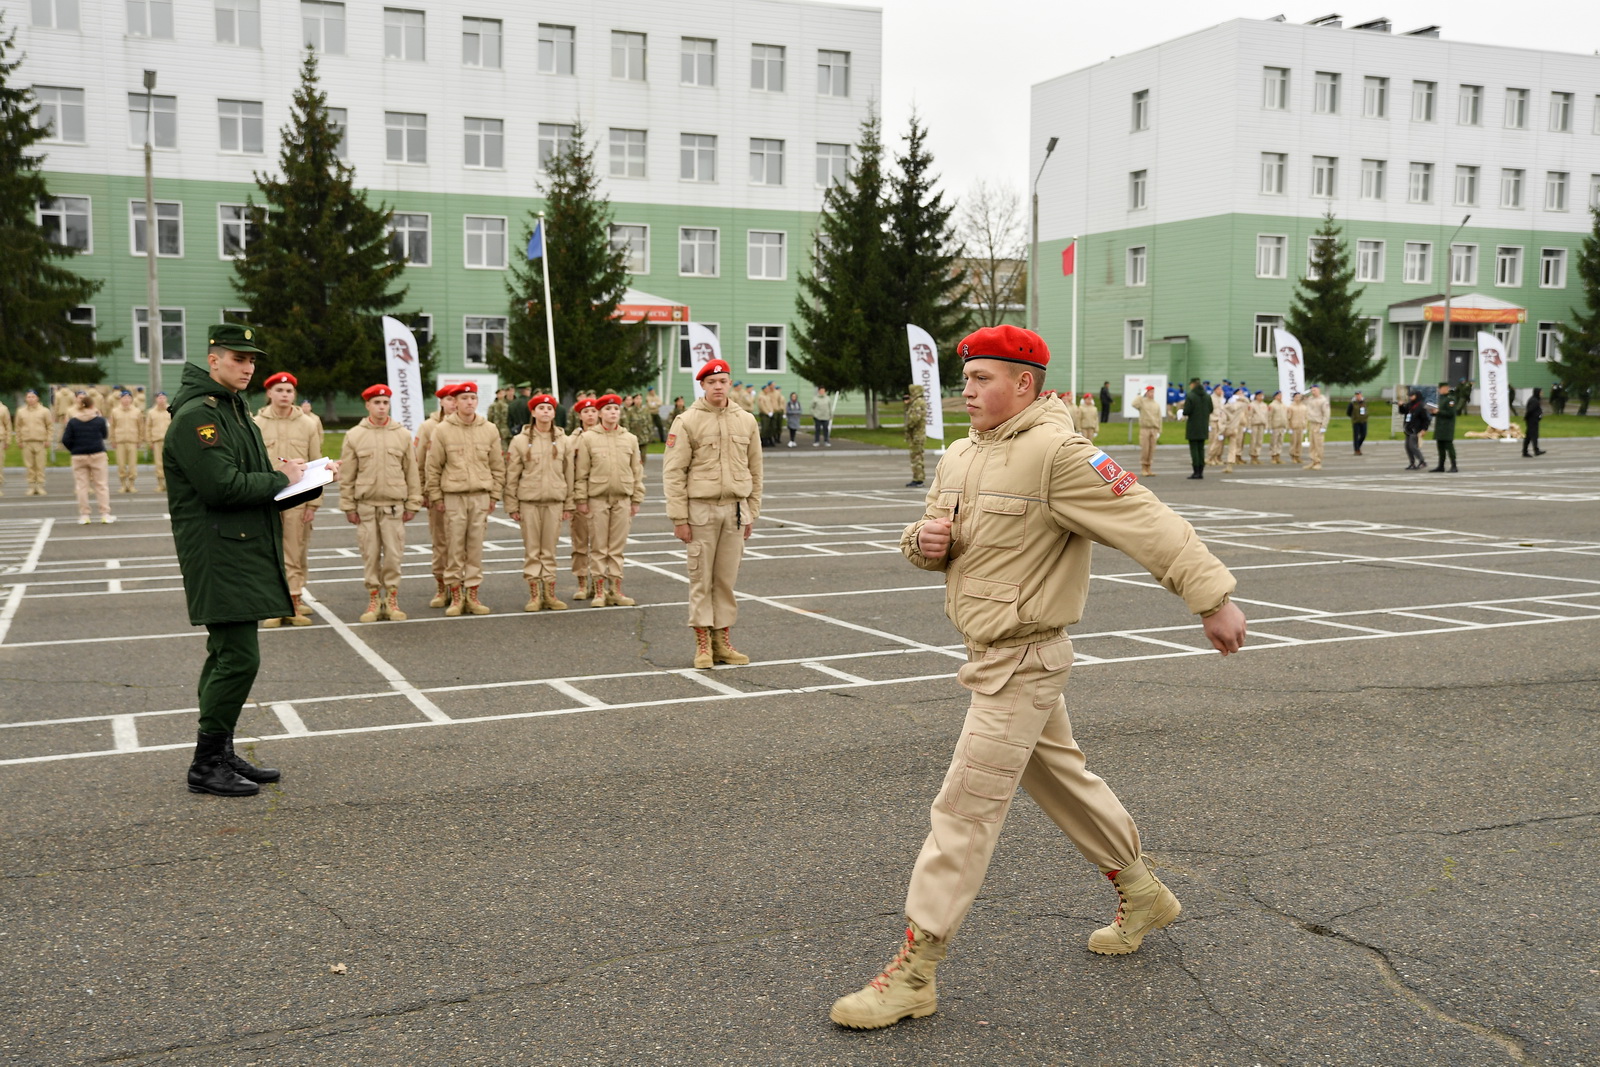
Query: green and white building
{"x": 1195, "y": 173}
{"x": 717, "y": 126}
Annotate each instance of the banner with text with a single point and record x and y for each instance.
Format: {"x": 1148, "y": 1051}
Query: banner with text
{"x": 405, "y": 373}
{"x": 1133, "y": 387}
{"x": 925, "y": 372}
{"x": 703, "y": 348}
{"x": 1492, "y": 396}
{"x": 1291, "y": 363}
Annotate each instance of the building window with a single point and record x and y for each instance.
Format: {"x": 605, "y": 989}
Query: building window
{"x": 1138, "y": 188}
{"x": 697, "y": 62}
{"x": 1133, "y": 339}
{"x": 1466, "y": 186}
{"x": 1266, "y": 344}
{"x": 1141, "y": 110}
{"x": 766, "y": 67}
{"x": 1464, "y": 264}
{"x": 833, "y": 164}
{"x": 486, "y": 242}
{"x": 764, "y": 349}
{"x": 83, "y": 318}
{"x": 628, "y": 153}
{"x": 1312, "y": 243}
{"x": 169, "y": 227}
{"x": 684, "y": 361}
{"x": 171, "y": 335}
{"x": 1516, "y": 109}
{"x": 239, "y": 22}
{"x": 339, "y": 120}
{"x": 403, "y": 34}
{"x": 697, "y": 252}
{"x": 833, "y": 73}
{"x": 556, "y": 47}
{"x": 1553, "y": 268}
{"x": 1411, "y": 335}
{"x": 1369, "y": 261}
{"x": 1138, "y": 263}
{"x": 240, "y": 125}
{"x": 697, "y": 157}
{"x": 481, "y": 43}
{"x": 406, "y": 137}
{"x": 163, "y": 129}
{"x": 65, "y": 221}
{"x": 61, "y": 114}
{"x": 1511, "y": 188}
{"x": 634, "y": 243}
{"x": 235, "y": 232}
{"x": 555, "y": 139}
{"x": 1469, "y": 105}
{"x": 150, "y": 18}
{"x": 422, "y": 326}
{"x": 1270, "y": 256}
{"x": 485, "y": 144}
{"x": 1324, "y": 175}
{"x": 485, "y": 337}
{"x": 1422, "y": 94}
{"x": 628, "y": 55}
{"x": 409, "y": 239}
{"x": 1596, "y": 129}
{"x": 1508, "y": 266}
{"x": 1547, "y": 348}
{"x": 56, "y": 14}
{"x": 1375, "y": 98}
{"x": 766, "y": 256}
{"x": 322, "y": 23}
{"x": 1555, "y": 190}
{"x": 1419, "y": 261}
{"x": 1594, "y": 190}
{"x": 766, "y": 161}
{"x": 1374, "y": 173}
{"x": 1273, "y": 165}
{"x": 1275, "y": 88}
{"x": 1420, "y": 190}
{"x": 1327, "y": 94}
{"x": 1560, "y": 112}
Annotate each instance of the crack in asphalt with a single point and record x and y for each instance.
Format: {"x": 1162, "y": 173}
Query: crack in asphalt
{"x": 1415, "y": 831}
{"x": 1211, "y": 1006}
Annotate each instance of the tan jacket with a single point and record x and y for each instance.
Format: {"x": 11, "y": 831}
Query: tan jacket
{"x": 1149, "y": 409}
{"x": 770, "y": 401}
{"x": 1258, "y": 413}
{"x": 1318, "y": 410}
{"x": 713, "y": 454}
{"x": 378, "y": 467}
{"x": 1278, "y": 415}
{"x": 127, "y": 424}
{"x": 607, "y": 464}
{"x": 34, "y": 424}
{"x": 539, "y": 468}
{"x": 296, "y": 437}
{"x": 1027, "y": 503}
{"x": 156, "y": 423}
{"x": 464, "y": 457}
{"x": 1298, "y": 415}
{"x": 424, "y": 436}
{"x": 1088, "y": 417}
{"x": 1234, "y": 416}
{"x": 5, "y": 424}
{"x": 744, "y": 398}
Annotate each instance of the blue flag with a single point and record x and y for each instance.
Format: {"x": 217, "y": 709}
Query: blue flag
{"x": 536, "y": 241}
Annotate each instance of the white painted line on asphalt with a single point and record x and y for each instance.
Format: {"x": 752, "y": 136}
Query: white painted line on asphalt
{"x": 1344, "y": 626}
{"x": 32, "y": 559}
{"x": 113, "y": 586}
{"x": 293, "y": 724}
{"x": 569, "y": 690}
{"x": 709, "y": 682}
{"x": 376, "y": 662}
{"x": 1435, "y": 618}
{"x": 834, "y": 672}
{"x": 124, "y": 734}
{"x": 9, "y": 612}
{"x": 1170, "y": 644}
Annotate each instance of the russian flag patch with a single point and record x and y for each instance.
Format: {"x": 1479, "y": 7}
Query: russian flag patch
{"x": 1105, "y": 467}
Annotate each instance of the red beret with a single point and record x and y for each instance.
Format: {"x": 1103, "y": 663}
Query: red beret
{"x": 464, "y": 387}
{"x": 1010, "y": 343}
{"x": 542, "y": 398}
{"x": 281, "y": 376}
{"x": 584, "y": 404}
{"x": 609, "y": 398}
{"x": 715, "y": 366}
{"x": 443, "y": 391}
{"x": 376, "y": 390}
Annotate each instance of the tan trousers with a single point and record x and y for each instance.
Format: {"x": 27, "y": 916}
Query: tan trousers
{"x": 1275, "y": 440}
{"x": 1214, "y": 448}
{"x": 157, "y": 448}
{"x": 127, "y": 464}
{"x": 580, "y": 545}
{"x": 33, "y": 459}
{"x": 1016, "y": 732}
{"x": 1256, "y": 434}
{"x": 1318, "y": 434}
{"x": 541, "y": 526}
{"x": 438, "y": 535}
{"x": 716, "y": 545}
{"x": 1295, "y": 438}
{"x": 296, "y": 548}
{"x": 381, "y": 535}
{"x": 609, "y": 520}
{"x": 1235, "y": 442}
{"x": 466, "y": 518}
{"x": 1147, "y": 448}
{"x": 90, "y": 471}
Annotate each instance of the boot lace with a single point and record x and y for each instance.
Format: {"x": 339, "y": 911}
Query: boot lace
{"x": 881, "y": 982}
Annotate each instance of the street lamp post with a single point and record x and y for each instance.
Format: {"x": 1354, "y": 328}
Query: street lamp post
{"x": 1033, "y": 254}
{"x": 152, "y": 315}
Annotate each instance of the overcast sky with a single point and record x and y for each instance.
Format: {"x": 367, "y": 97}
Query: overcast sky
{"x": 967, "y": 67}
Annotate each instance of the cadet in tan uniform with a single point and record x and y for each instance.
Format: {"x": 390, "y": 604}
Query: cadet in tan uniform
{"x": 587, "y": 414}
{"x": 1088, "y": 417}
{"x": 1277, "y": 425}
{"x": 436, "y": 526}
{"x": 380, "y": 491}
{"x": 608, "y": 486}
{"x": 1318, "y": 412}
{"x": 34, "y": 425}
{"x": 1298, "y": 419}
{"x": 1215, "y": 436}
{"x": 63, "y": 403}
{"x": 1010, "y": 519}
{"x": 1234, "y": 416}
{"x": 290, "y": 433}
{"x": 1257, "y": 423}
{"x": 464, "y": 474}
{"x": 1149, "y": 409}
{"x": 539, "y": 498}
{"x": 156, "y": 422}
{"x": 712, "y": 478}
{"x": 127, "y": 430}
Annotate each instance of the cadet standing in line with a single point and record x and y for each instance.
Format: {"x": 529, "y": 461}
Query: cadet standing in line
{"x": 1257, "y": 422}
{"x": 1089, "y": 417}
{"x": 229, "y": 540}
{"x": 34, "y": 425}
{"x": 1277, "y": 424}
{"x": 1017, "y": 731}
{"x": 608, "y": 488}
{"x": 127, "y": 430}
{"x": 916, "y": 434}
{"x": 437, "y": 533}
{"x": 1148, "y": 405}
{"x": 587, "y": 414}
{"x": 1235, "y": 413}
{"x": 464, "y": 474}
{"x": 380, "y": 491}
{"x": 712, "y": 477}
{"x": 539, "y": 497}
{"x": 1299, "y": 418}
{"x": 63, "y": 402}
{"x": 156, "y": 421}
{"x": 292, "y": 434}
{"x": 1444, "y": 424}
{"x": 1318, "y": 413}
{"x": 1219, "y": 400}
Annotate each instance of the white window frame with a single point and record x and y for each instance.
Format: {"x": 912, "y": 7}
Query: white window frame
{"x": 488, "y": 242}
{"x": 1274, "y": 88}
{"x": 716, "y": 251}
{"x": 697, "y": 62}
{"x": 405, "y": 127}
{"x": 1463, "y": 264}
{"x": 837, "y": 163}
{"x": 55, "y": 15}
{"x": 764, "y": 60}
{"x": 1547, "y": 342}
{"x": 1512, "y": 181}
{"x": 93, "y": 326}
{"x": 627, "y": 247}
{"x": 480, "y": 325}
{"x": 405, "y": 39}
{"x": 171, "y": 318}
{"x": 1265, "y": 344}
{"x": 833, "y": 73}
{"x": 1516, "y": 117}
{"x": 238, "y": 22}
{"x": 1561, "y": 107}
{"x": 133, "y": 228}
{"x": 558, "y": 55}
{"x": 626, "y": 47}
{"x": 1418, "y": 253}
{"x": 1419, "y": 174}
{"x": 427, "y": 231}
{"x": 766, "y": 155}
{"x": 1141, "y": 110}
{"x": 1371, "y": 258}
{"x": 1553, "y": 268}
{"x": 752, "y": 255}
{"x": 1466, "y": 185}
{"x": 1326, "y": 93}
{"x": 1374, "y": 97}
{"x": 751, "y": 338}
{"x": 1272, "y": 255}
{"x": 164, "y": 106}
{"x": 629, "y": 153}
{"x": 1411, "y": 335}
{"x": 685, "y": 362}
{"x": 483, "y": 43}
{"x": 56, "y": 206}
{"x": 1556, "y": 193}
{"x": 317, "y": 21}
{"x": 339, "y": 119}
{"x": 555, "y": 138}
{"x": 694, "y": 153}
{"x": 1469, "y": 105}
{"x": 1324, "y": 177}
{"x": 1133, "y": 338}
{"x": 1311, "y": 256}
{"x": 1374, "y": 179}
{"x": 240, "y": 121}
{"x": 242, "y": 223}
{"x": 1274, "y": 166}
{"x": 1508, "y": 266}
{"x": 1136, "y": 269}
{"x": 1594, "y": 190}
{"x": 481, "y": 137}
{"x": 1424, "y": 101}
{"x": 60, "y": 115}
{"x": 1138, "y": 190}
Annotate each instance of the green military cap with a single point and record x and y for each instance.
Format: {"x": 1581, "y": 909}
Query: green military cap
{"x": 524, "y": 385}
{"x": 235, "y": 337}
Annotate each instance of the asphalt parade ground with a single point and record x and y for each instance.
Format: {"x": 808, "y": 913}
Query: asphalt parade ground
{"x": 544, "y": 839}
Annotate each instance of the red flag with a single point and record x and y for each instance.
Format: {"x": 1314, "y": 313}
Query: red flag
{"x": 1068, "y": 254}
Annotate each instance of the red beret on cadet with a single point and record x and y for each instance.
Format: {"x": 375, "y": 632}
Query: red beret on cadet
{"x": 464, "y": 387}
{"x": 1010, "y": 343}
{"x": 584, "y": 404}
{"x": 542, "y": 398}
{"x": 376, "y": 390}
{"x": 715, "y": 366}
{"x": 281, "y": 376}
{"x": 609, "y": 398}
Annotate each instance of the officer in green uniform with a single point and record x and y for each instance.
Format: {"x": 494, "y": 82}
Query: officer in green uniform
{"x": 1197, "y": 425}
{"x": 220, "y": 489}
{"x": 916, "y": 433}
{"x": 1444, "y": 424}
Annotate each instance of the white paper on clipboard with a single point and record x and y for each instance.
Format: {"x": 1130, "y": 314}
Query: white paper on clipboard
{"x": 318, "y": 473}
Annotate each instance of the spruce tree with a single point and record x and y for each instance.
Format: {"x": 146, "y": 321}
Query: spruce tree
{"x": 1323, "y": 315}
{"x": 1580, "y": 341}
{"x": 920, "y": 250}
{"x": 317, "y": 272}
{"x": 36, "y": 291}
{"x": 594, "y": 350}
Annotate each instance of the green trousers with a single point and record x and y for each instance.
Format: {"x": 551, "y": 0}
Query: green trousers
{"x": 1447, "y": 448}
{"x": 233, "y": 655}
{"x": 1197, "y": 452}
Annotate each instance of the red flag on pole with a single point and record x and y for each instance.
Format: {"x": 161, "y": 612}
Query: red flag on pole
{"x": 1067, "y": 255}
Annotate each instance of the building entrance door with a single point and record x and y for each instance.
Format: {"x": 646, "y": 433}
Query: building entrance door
{"x": 1460, "y": 365}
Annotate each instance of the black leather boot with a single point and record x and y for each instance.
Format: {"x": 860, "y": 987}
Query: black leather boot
{"x": 249, "y": 771}
{"x": 210, "y": 772}
{"x": 1194, "y": 472}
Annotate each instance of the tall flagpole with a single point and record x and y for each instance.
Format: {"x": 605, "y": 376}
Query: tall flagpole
{"x": 549, "y": 322}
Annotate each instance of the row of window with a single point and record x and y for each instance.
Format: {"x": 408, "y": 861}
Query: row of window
{"x": 1327, "y": 98}
{"x": 1547, "y": 344}
{"x": 1420, "y": 182}
{"x": 238, "y": 22}
{"x": 1272, "y": 262}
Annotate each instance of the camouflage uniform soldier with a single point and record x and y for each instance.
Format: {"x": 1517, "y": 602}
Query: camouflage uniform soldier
{"x": 499, "y": 414}
{"x": 916, "y": 433}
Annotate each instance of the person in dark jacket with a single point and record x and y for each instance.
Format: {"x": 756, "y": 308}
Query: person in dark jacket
{"x": 221, "y": 486}
{"x": 84, "y": 435}
{"x": 1531, "y": 414}
{"x": 1197, "y": 425}
{"x": 1105, "y": 402}
{"x": 1356, "y": 410}
{"x": 1415, "y": 413}
{"x": 1449, "y": 406}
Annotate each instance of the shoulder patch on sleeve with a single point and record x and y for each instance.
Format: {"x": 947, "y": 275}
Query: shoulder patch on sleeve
{"x": 672, "y": 439}
{"x": 207, "y": 432}
{"x": 1106, "y": 468}
{"x": 1124, "y": 483}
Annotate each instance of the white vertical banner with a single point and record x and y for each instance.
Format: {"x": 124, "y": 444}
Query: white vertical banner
{"x": 405, "y": 373}
{"x": 925, "y": 372}
{"x": 703, "y": 348}
{"x": 1291, "y": 363}
{"x": 1493, "y": 400}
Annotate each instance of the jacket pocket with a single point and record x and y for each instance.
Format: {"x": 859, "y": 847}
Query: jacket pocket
{"x": 239, "y": 528}
{"x": 987, "y": 609}
{"x": 1002, "y": 522}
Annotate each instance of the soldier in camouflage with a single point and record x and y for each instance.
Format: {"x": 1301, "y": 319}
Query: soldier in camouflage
{"x": 916, "y": 433}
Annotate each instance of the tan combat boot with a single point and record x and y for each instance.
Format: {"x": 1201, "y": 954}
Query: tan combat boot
{"x": 455, "y": 601}
{"x": 1228, "y": 469}
{"x": 474, "y": 605}
{"x": 702, "y": 647}
{"x": 905, "y": 987}
{"x": 1144, "y": 904}
{"x": 391, "y": 606}
{"x": 302, "y": 608}
{"x": 374, "y": 603}
{"x": 441, "y": 597}
{"x": 535, "y": 598}
{"x": 583, "y": 588}
{"x": 550, "y": 600}
{"x": 614, "y": 595}
{"x": 722, "y": 650}
{"x": 301, "y": 616}
{"x": 271, "y": 623}
{"x": 598, "y": 588}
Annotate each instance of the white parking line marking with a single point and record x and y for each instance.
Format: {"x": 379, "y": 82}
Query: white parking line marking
{"x": 9, "y": 612}
{"x": 124, "y": 734}
{"x": 709, "y": 682}
{"x": 567, "y": 689}
{"x": 293, "y": 724}
{"x": 834, "y": 672}
{"x": 395, "y": 679}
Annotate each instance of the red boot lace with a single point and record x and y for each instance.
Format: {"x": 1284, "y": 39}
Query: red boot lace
{"x": 881, "y": 982}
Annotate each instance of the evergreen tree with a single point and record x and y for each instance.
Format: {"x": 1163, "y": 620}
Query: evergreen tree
{"x": 921, "y": 249}
{"x": 594, "y": 350}
{"x": 36, "y": 291}
{"x": 317, "y": 272}
{"x": 1324, "y": 316}
{"x": 1580, "y": 341}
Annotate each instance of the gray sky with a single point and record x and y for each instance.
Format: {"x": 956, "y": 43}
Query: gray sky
{"x": 967, "y": 66}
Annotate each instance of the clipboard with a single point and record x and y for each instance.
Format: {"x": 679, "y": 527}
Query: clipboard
{"x": 318, "y": 474}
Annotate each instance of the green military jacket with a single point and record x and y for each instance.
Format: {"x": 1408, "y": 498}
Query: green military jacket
{"x": 220, "y": 485}
{"x": 1197, "y": 415}
{"x": 1444, "y": 422}
{"x": 916, "y": 415}
{"x": 499, "y": 414}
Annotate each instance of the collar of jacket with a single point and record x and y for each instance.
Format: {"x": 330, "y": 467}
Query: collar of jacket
{"x": 197, "y": 381}
{"x": 1042, "y": 411}
{"x": 455, "y": 417}
{"x": 702, "y": 404}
